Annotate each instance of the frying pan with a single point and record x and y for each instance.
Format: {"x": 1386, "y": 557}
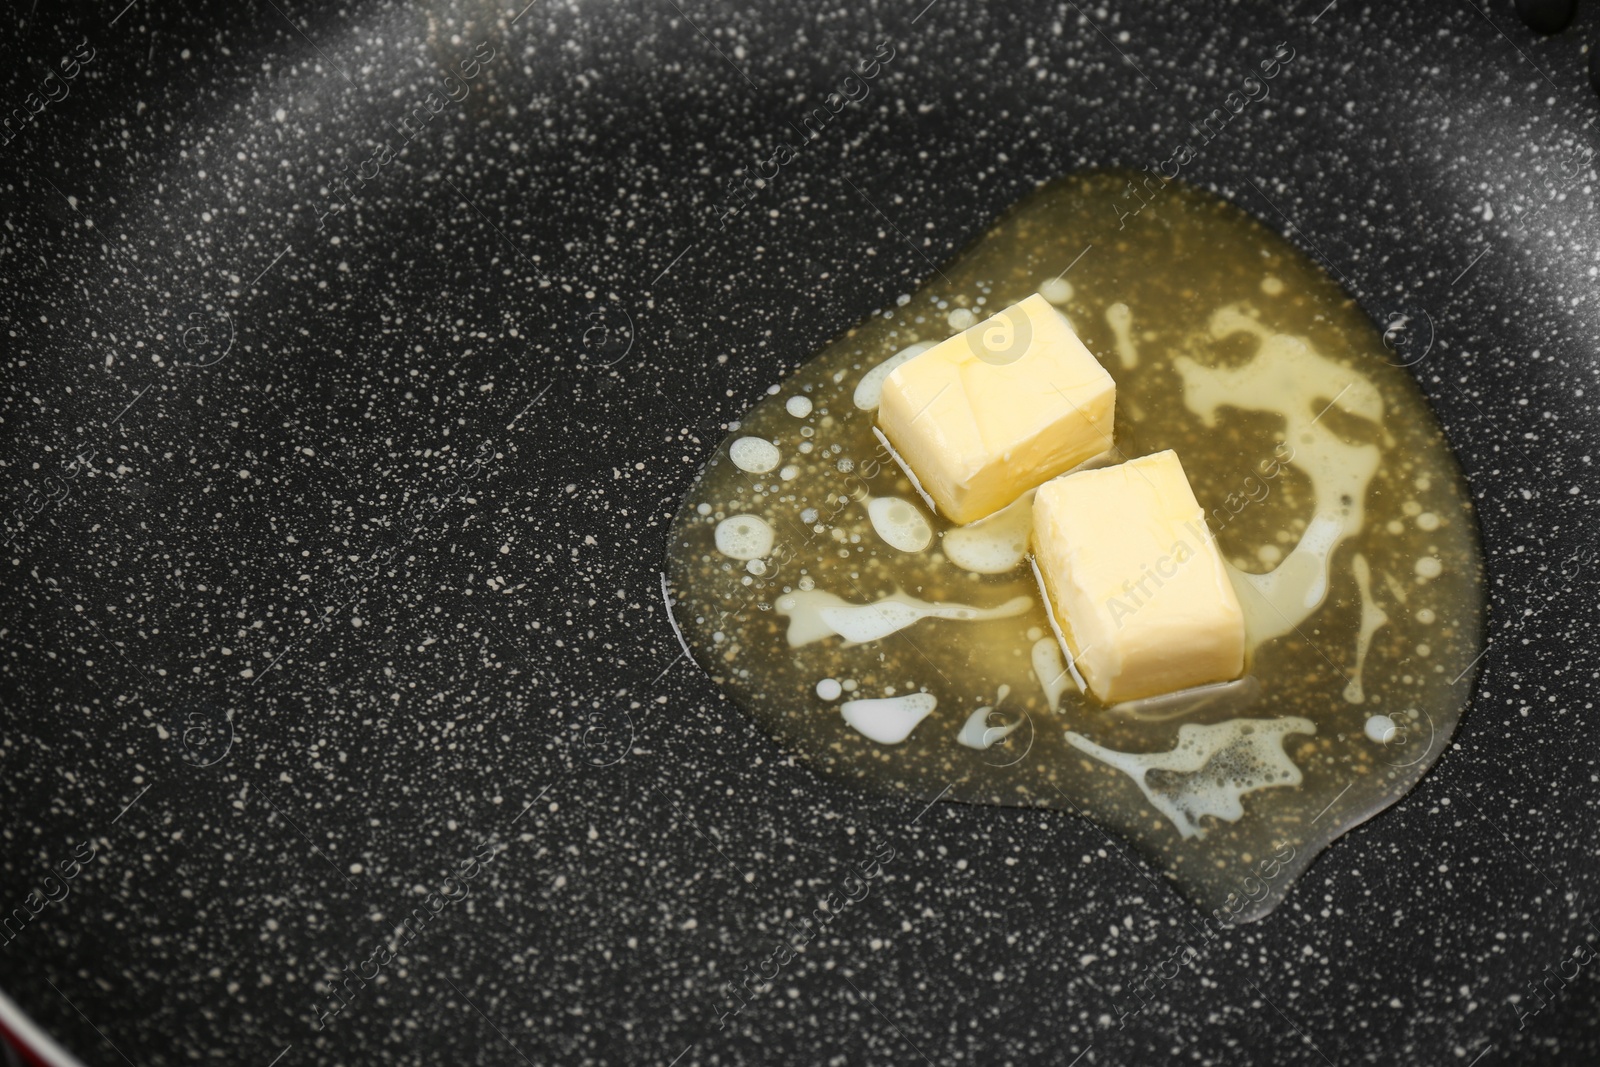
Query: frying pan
{"x": 355, "y": 360}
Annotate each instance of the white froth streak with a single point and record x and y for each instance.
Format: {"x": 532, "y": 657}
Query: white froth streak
{"x": 888, "y": 720}
{"x": 1186, "y": 803}
{"x": 912, "y": 534}
{"x": 869, "y": 390}
{"x": 1286, "y": 377}
{"x": 1120, "y": 318}
{"x": 1372, "y": 620}
{"x": 815, "y": 614}
{"x": 994, "y": 544}
{"x": 1050, "y": 670}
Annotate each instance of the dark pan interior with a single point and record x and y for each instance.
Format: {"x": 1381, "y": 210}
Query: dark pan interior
{"x": 462, "y": 409}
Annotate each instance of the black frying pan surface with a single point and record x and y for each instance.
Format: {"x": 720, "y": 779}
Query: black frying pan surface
{"x": 335, "y": 536}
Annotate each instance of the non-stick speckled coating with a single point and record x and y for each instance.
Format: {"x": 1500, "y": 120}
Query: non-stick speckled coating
{"x": 360, "y": 573}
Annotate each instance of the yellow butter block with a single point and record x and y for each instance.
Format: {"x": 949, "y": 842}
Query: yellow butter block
{"x": 998, "y": 409}
{"x": 1135, "y": 579}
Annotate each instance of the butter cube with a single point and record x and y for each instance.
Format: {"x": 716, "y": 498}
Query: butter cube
{"x": 998, "y": 409}
{"x": 1135, "y": 580}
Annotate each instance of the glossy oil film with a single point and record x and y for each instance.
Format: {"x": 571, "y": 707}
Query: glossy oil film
{"x": 889, "y": 649}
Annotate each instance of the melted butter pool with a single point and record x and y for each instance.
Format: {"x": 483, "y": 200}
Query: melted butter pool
{"x": 892, "y": 650}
